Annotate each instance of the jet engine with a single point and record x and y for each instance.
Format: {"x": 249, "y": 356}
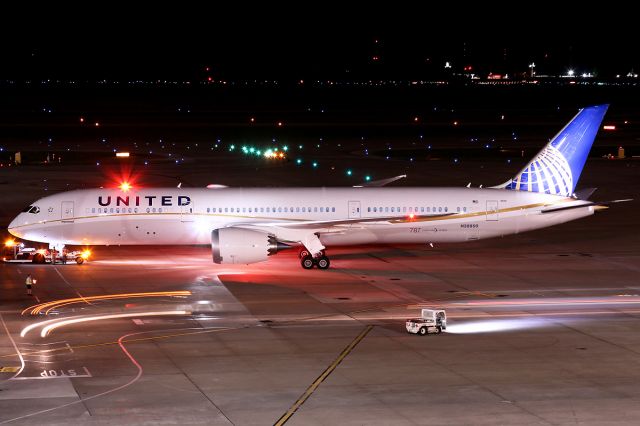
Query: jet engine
{"x": 237, "y": 245}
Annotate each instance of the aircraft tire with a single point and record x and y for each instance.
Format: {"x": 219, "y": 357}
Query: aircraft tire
{"x": 307, "y": 262}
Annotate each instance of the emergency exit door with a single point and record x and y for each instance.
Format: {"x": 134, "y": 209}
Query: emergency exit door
{"x": 186, "y": 212}
{"x": 66, "y": 211}
{"x": 492, "y": 210}
{"x": 354, "y": 209}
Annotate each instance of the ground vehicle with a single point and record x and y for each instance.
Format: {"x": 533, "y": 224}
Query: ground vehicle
{"x": 432, "y": 321}
{"x": 24, "y": 254}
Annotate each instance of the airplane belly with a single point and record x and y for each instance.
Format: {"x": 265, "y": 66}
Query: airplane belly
{"x": 169, "y": 231}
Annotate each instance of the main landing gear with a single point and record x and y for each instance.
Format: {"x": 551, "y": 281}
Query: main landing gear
{"x": 308, "y": 262}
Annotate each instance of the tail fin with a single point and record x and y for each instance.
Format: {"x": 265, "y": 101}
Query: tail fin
{"x": 556, "y": 169}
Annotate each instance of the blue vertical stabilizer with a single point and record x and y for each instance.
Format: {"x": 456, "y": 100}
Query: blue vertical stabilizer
{"x": 556, "y": 169}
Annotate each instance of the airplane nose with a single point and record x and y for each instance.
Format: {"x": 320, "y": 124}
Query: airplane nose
{"x": 12, "y": 225}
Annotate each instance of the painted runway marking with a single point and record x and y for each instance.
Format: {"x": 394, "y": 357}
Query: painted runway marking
{"x": 291, "y": 411}
{"x": 69, "y": 284}
{"x": 15, "y": 346}
{"x": 65, "y": 373}
{"x": 9, "y": 369}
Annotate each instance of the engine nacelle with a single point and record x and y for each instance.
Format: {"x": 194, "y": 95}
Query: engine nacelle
{"x": 237, "y": 245}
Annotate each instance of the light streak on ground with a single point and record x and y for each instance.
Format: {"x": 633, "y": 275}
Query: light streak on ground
{"x": 49, "y": 306}
{"x": 564, "y": 301}
{"x": 496, "y": 325}
{"x": 63, "y": 322}
{"x": 187, "y": 262}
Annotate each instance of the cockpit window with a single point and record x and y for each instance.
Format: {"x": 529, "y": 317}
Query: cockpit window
{"x": 31, "y": 209}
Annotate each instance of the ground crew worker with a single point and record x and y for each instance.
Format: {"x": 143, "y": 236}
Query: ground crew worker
{"x": 29, "y": 282}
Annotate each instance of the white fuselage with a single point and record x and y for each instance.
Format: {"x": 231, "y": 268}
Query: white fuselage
{"x": 187, "y": 216}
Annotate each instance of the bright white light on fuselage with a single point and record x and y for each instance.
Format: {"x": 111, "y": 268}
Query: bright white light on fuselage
{"x": 125, "y": 186}
{"x": 201, "y": 225}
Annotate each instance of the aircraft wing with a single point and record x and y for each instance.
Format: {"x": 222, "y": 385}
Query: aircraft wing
{"x": 319, "y": 224}
{"x": 381, "y": 182}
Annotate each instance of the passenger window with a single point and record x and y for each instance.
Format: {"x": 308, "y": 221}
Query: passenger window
{"x": 439, "y": 209}
{"x": 208, "y": 210}
{"x": 446, "y": 209}
{"x": 153, "y": 210}
{"x": 422, "y": 209}
{"x": 160, "y": 210}
{"x": 135, "y": 210}
{"x": 458, "y": 209}
{"x": 321, "y": 209}
{"x": 333, "y": 209}
{"x": 464, "y": 209}
{"x": 111, "y": 210}
{"x": 148, "y": 209}
{"x": 404, "y": 210}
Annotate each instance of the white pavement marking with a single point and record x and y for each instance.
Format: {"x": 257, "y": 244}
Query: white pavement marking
{"x": 13, "y": 342}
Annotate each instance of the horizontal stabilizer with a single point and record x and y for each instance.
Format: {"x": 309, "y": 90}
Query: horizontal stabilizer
{"x": 603, "y": 204}
{"x": 584, "y": 194}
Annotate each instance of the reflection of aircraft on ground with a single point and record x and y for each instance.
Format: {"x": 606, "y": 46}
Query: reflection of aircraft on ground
{"x": 246, "y": 225}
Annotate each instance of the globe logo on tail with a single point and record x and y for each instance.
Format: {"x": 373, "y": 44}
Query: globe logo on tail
{"x": 549, "y": 173}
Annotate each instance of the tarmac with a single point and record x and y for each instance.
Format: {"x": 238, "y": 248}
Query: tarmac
{"x": 544, "y": 328}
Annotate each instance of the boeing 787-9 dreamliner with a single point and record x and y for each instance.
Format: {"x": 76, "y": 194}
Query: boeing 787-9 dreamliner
{"x": 247, "y": 225}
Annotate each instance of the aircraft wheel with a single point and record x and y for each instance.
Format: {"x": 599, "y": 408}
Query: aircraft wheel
{"x": 307, "y": 262}
{"x": 323, "y": 262}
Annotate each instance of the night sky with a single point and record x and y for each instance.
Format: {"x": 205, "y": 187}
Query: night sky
{"x": 318, "y": 42}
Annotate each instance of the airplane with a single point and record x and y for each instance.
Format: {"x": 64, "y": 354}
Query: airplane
{"x": 247, "y": 225}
